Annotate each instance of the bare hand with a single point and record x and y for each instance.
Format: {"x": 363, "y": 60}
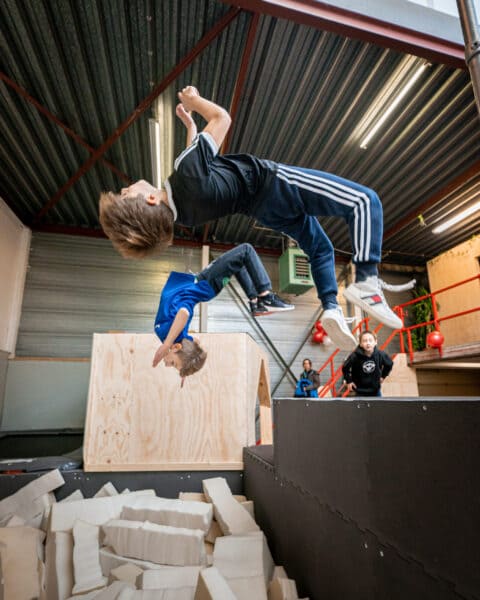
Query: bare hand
{"x": 351, "y": 387}
{"x": 187, "y": 95}
{"x": 184, "y": 116}
{"x": 160, "y": 354}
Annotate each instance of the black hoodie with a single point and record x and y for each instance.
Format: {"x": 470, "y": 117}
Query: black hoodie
{"x": 366, "y": 371}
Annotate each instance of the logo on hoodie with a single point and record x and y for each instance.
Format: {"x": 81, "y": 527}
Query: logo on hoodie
{"x": 368, "y": 366}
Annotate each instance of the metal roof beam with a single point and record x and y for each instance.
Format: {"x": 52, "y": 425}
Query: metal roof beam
{"x": 242, "y": 75}
{"x": 22, "y": 92}
{"x": 462, "y": 179}
{"x": 143, "y": 106}
{"x": 362, "y": 27}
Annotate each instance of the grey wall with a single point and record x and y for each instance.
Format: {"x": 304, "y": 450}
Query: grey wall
{"x": 78, "y": 286}
{"x": 45, "y": 394}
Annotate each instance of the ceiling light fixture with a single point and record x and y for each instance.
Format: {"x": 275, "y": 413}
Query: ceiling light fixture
{"x": 155, "y": 154}
{"x": 454, "y": 220}
{"x": 401, "y": 94}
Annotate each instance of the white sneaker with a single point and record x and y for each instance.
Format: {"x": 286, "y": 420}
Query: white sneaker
{"x": 335, "y": 325}
{"x": 369, "y": 297}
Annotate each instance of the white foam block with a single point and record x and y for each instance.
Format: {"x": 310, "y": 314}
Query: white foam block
{"x": 113, "y": 591}
{"x": 27, "y": 502}
{"x": 213, "y": 586}
{"x": 75, "y": 495}
{"x": 157, "y": 543}
{"x": 106, "y": 490}
{"x": 20, "y": 562}
{"x": 249, "y": 507}
{"x": 281, "y": 588}
{"x": 96, "y": 511}
{"x": 127, "y": 572}
{"x": 164, "y": 511}
{"x": 86, "y": 560}
{"x": 279, "y": 573}
{"x": 109, "y": 560}
{"x": 214, "y": 532}
{"x": 87, "y": 596}
{"x": 231, "y": 516}
{"x": 175, "y": 594}
{"x": 59, "y": 565}
{"x": 246, "y": 563}
{"x": 169, "y": 578}
{"x": 13, "y": 521}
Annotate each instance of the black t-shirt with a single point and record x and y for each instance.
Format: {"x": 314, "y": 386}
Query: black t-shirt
{"x": 206, "y": 186}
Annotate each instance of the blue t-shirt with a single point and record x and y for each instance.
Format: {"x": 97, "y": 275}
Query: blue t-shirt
{"x": 180, "y": 291}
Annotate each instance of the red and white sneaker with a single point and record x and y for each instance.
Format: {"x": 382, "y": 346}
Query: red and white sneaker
{"x": 369, "y": 297}
{"x": 337, "y": 329}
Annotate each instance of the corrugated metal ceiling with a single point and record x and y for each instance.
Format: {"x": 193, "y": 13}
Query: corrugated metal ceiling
{"x": 308, "y": 98}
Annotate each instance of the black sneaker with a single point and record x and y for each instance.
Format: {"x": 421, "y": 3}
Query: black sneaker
{"x": 258, "y": 309}
{"x": 274, "y": 303}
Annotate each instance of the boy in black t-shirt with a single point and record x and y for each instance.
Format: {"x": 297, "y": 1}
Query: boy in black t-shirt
{"x": 206, "y": 186}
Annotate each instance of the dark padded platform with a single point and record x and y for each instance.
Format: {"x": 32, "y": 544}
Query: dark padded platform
{"x": 166, "y": 484}
{"x": 39, "y": 443}
{"x": 397, "y": 476}
{"x": 328, "y": 555}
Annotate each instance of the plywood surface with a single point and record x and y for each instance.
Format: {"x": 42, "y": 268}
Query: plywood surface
{"x": 459, "y": 263}
{"x": 138, "y": 417}
{"x": 402, "y": 381}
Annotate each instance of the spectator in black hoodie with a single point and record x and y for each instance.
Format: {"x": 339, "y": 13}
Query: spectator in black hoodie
{"x": 366, "y": 368}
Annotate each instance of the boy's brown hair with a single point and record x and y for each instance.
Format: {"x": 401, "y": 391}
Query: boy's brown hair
{"x": 136, "y": 228}
{"x": 193, "y": 357}
{"x": 364, "y": 332}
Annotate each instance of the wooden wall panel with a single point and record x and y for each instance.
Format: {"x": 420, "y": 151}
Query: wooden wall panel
{"x": 449, "y": 382}
{"x": 402, "y": 381}
{"x": 451, "y": 267}
{"x": 138, "y": 417}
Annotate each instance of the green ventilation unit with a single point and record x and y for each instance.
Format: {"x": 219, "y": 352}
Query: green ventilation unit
{"x": 295, "y": 275}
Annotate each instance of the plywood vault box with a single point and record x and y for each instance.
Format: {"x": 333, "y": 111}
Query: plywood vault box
{"x": 138, "y": 417}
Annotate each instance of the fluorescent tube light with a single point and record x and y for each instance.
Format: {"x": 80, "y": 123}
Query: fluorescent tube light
{"x": 155, "y": 153}
{"x": 393, "y": 105}
{"x": 454, "y": 220}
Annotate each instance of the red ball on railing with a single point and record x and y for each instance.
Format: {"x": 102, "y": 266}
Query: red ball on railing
{"x": 319, "y": 327}
{"x": 435, "y": 339}
{"x": 318, "y": 336}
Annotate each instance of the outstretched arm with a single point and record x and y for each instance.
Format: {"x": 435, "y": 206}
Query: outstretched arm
{"x": 218, "y": 119}
{"x": 187, "y": 119}
{"x": 175, "y": 330}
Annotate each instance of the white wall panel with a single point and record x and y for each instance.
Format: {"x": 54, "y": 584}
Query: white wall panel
{"x": 14, "y": 246}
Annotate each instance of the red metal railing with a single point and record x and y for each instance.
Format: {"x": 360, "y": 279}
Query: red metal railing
{"x": 336, "y": 373}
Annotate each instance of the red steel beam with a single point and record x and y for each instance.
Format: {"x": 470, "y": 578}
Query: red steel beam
{"x": 362, "y": 27}
{"x": 143, "y": 106}
{"x": 98, "y": 233}
{"x": 22, "y": 92}
{"x": 239, "y": 85}
{"x": 462, "y": 179}
{"x": 242, "y": 75}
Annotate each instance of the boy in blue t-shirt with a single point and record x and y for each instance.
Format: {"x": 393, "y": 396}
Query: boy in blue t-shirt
{"x": 183, "y": 291}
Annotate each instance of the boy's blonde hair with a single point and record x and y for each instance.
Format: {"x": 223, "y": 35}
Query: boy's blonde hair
{"x": 136, "y": 228}
{"x": 193, "y": 357}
